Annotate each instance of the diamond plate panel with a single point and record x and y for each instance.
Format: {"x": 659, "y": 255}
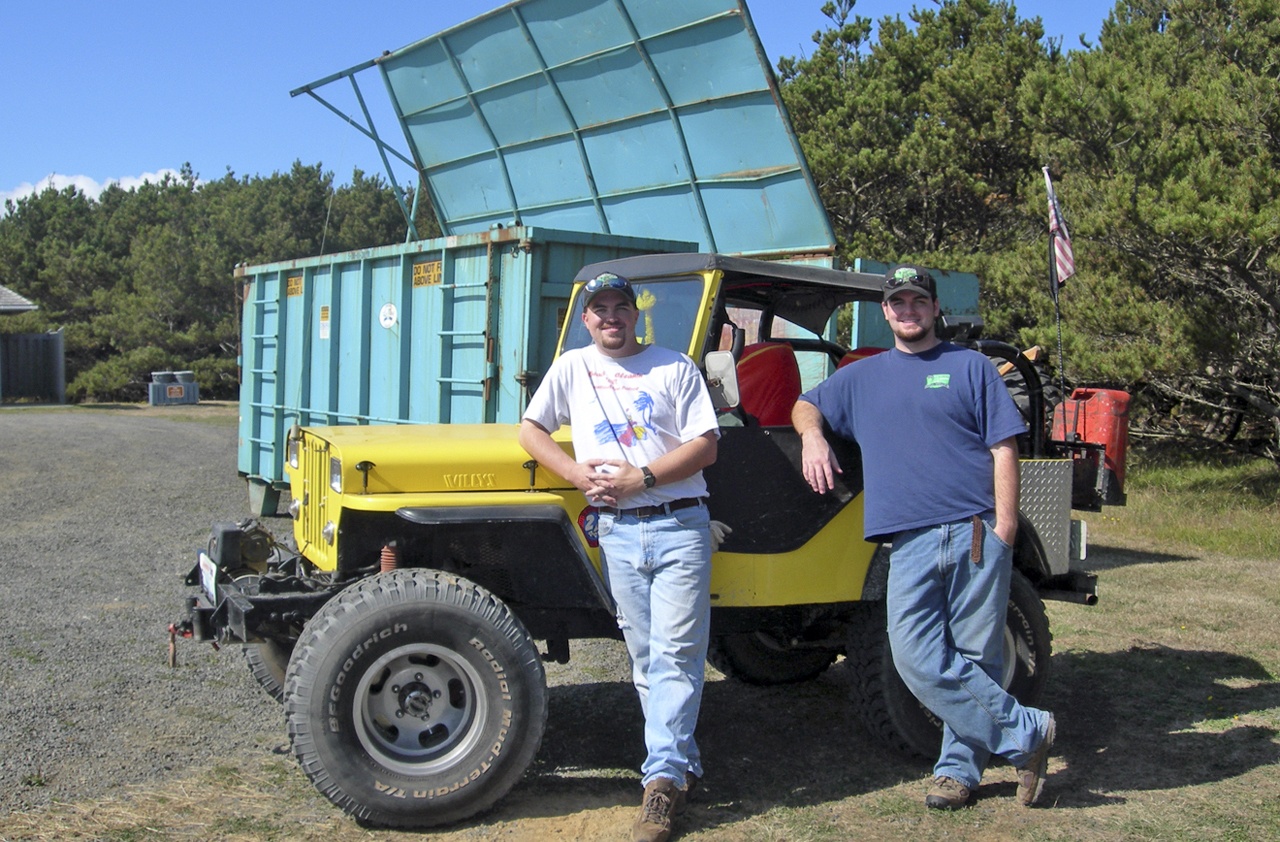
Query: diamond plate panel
{"x": 1046, "y": 502}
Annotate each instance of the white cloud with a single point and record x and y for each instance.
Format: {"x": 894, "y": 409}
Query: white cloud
{"x": 89, "y": 186}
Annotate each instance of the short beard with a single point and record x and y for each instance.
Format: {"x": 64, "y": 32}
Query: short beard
{"x": 613, "y": 343}
{"x": 912, "y": 333}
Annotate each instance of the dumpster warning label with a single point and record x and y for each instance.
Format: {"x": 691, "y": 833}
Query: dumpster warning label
{"x": 324, "y": 322}
{"x": 293, "y": 285}
{"x": 427, "y": 274}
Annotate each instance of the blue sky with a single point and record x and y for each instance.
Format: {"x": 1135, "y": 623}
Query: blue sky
{"x": 100, "y": 92}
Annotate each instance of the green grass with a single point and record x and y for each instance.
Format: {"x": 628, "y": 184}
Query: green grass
{"x": 219, "y": 413}
{"x": 29, "y": 655}
{"x": 1220, "y": 504}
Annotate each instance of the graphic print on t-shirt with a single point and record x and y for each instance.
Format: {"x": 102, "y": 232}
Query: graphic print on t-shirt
{"x": 635, "y": 428}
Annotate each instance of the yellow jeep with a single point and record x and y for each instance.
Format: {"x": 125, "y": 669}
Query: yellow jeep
{"x": 437, "y": 566}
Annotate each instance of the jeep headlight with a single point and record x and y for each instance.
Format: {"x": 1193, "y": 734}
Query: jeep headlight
{"x": 294, "y": 439}
{"x": 335, "y": 474}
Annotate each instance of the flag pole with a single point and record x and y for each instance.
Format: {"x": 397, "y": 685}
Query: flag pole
{"x": 1054, "y": 284}
{"x": 1055, "y": 222}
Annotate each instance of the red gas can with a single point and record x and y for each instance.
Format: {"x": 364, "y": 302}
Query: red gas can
{"x": 1099, "y": 417}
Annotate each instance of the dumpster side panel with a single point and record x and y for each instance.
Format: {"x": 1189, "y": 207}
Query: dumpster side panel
{"x": 426, "y": 279}
{"x": 351, "y": 313}
{"x": 388, "y": 363}
{"x": 451, "y": 330}
{"x": 316, "y": 364}
{"x": 261, "y": 334}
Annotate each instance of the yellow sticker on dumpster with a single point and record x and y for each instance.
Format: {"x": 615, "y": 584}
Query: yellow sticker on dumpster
{"x": 428, "y": 273}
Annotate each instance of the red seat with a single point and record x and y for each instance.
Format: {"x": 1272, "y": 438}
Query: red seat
{"x": 769, "y": 382}
{"x": 858, "y": 354}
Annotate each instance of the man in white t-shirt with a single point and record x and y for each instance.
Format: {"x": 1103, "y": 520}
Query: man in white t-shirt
{"x": 643, "y": 429}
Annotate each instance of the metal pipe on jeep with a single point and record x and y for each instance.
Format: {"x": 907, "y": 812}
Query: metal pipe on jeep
{"x": 1071, "y": 596}
{"x": 1076, "y": 586}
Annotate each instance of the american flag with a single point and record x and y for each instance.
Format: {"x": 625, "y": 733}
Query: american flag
{"x": 1064, "y": 262}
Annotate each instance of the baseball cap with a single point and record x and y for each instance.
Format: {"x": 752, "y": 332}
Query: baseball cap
{"x": 606, "y": 281}
{"x": 906, "y": 277}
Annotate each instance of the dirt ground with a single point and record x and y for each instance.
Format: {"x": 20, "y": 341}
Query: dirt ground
{"x": 1163, "y": 733}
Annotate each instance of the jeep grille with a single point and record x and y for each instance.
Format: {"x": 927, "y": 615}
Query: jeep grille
{"x": 314, "y": 511}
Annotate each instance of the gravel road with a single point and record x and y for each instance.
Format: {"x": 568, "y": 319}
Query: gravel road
{"x": 100, "y": 515}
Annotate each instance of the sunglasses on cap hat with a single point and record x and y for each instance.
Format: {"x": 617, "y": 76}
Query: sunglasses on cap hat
{"x": 606, "y": 281}
{"x": 907, "y": 277}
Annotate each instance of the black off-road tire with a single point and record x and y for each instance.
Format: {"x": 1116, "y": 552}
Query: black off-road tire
{"x": 757, "y": 658}
{"x": 415, "y": 698}
{"x": 268, "y": 662}
{"x": 890, "y": 711}
{"x": 1051, "y": 391}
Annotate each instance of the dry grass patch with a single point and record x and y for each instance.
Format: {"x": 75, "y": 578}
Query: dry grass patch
{"x": 261, "y": 800}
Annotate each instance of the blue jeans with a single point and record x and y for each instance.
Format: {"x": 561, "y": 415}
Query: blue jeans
{"x": 658, "y": 570}
{"x": 946, "y": 630}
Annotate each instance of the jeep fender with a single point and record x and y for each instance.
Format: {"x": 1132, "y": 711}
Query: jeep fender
{"x": 1029, "y": 556}
{"x": 532, "y": 557}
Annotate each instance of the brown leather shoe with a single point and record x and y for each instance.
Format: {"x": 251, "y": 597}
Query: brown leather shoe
{"x": 661, "y": 798}
{"x": 1031, "y": 776}
{"x": 947, "y": 794}
{"x": 685, "y": 794}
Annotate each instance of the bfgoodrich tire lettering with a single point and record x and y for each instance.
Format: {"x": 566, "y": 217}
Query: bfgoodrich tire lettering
{"x": 895, "y": 716}
{"x": 415, "y": 698}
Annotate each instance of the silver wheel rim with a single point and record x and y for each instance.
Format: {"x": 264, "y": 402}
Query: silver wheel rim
{"x": 1015, "y": 649}
{"x": 418, "y": 708}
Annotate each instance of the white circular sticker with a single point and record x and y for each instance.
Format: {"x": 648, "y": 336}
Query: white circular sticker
{"x": 387, "y": 316}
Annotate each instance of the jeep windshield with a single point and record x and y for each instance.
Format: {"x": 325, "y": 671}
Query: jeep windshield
{"x": 677, "y": 292}
{"x": 668, "y": 308}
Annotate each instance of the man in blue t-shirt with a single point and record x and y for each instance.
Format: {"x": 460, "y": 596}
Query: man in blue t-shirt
{"x": 937, "y": 429}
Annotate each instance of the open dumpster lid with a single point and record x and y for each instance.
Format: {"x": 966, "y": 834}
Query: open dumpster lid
{"x": 653, "y": 118}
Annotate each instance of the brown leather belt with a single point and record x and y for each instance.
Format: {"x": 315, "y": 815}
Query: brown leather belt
{"x": 654, "y": 511}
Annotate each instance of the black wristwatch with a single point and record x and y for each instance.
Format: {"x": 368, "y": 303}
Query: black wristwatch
{"x": 649, "y": 479}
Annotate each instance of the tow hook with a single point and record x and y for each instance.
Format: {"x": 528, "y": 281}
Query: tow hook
{"x": 182, "y": 628}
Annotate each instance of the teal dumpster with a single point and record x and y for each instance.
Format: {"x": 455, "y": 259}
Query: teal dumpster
{"x": 450, "y": 330}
